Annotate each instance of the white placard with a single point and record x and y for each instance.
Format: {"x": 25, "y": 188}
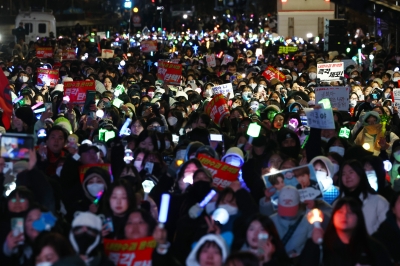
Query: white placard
{"x": 320, "y": 118}
{"x": 223, "y": 89}
{"x": 308, "y": 193}
{"x": 330, "y": 71}
{"x": 227, "y": 59}
{"x": 107, "y": 53}
{"x": 338, "y": 96}
{"x": 396, "y": 96}
{"x": 211, "y": 60}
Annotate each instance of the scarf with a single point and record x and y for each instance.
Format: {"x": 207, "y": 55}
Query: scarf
{"x": 373, "y": 130}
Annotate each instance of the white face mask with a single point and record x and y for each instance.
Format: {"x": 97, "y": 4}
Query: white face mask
{"x": 208, "y": 93}
{"x": 253, "y": 85}
{"x": 396, "y": 155}
{"x": 325, "y": 139}
{"x": 354, "y": 76}
{"x": 353, "y": 103}
{"x": 294, "y": 78}
{"x": 58, "y": 171}
{"x": 167, "y": 144}
{"x": 337, "y": 149}
{"x": 324, "y": 180}
{"x": 23, "y": 79}
{"x": 395, "y": 79}
{"x": 372, "y": 179}
{"x": 234, "y": 106}
{"x": 138, "y": 165}
{"x": 336, "y": 168}
{"x": 210, "y": 207}
{"x": 44, "y": 263}
{"x": 172, "y": 120}
{"x": 230, "y": 209}
{"x": 312, "y": 75}
{"x": 387, "y": 95}
{"x": 95, "y": 188}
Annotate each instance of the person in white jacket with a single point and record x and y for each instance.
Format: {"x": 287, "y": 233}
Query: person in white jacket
{"x": 210, "y": 250}
{"x": 354, "y": 183}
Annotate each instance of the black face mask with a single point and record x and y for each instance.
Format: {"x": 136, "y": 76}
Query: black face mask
{"x": 135, "y": 101}
{"x": 292, "y": 152}
{"x": 199, "y": 190}
{"x": 84, "y": 241}
{"x": 63, "y": 73}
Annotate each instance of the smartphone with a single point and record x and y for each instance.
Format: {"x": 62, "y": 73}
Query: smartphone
{"x": 262, "y": 240}
{"x": 48, "y": 106}
{"x": 160, "y": 129}
{"x": 304, "y": 120}
{"x": 90, "y": 98}
{"x": 17, "y": 227}
{"x": 109, "y": 224}
{"x": 175, "y": 138}
{"x": 16, "y": 146}
{"x": 215, "y": 137}
{"x": 149, "y": 167}
{"x": 117, "y": 102}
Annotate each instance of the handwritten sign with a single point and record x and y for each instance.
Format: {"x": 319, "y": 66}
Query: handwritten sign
{"x": 169, "y": 72}
{"x": 227, "y": 59}
{"x": 308, "y": 193}
{"x": 320, "y": 118}
{"x": 76, "y": 90}
{"x": 339, "y": 96}
{"x": 83, "y": 169}
{"x": 68, "y": 54}
{"x": 44, "y": 52}
{"x": 217, "y": 108}
{"x": 211, "y": 60}
{"x": 130, "y": 252}
{"x": 47, "y": 76}
{"x": 223, "y": 174}
{"x": 223, "y": 89}
{"x": 273, "y": 73}
{"x": 330, "y": 71}
{"x": 148, "y": 46}
{"x": 107, "y": 53}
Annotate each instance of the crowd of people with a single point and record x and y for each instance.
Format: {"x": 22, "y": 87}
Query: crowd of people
{"x": 87, "y": 179}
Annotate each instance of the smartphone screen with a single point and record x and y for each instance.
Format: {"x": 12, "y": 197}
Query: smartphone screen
{"x": 16, "y": 146}
{"x": 149, "y": 167}
{"x": 215, "y": 137}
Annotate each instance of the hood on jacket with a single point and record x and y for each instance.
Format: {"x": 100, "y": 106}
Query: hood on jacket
{"x": 327, "y": 162}
{"x": 98, "y": 172}
{"x": 192, "y": 260}
{"x": 371, "y": 113}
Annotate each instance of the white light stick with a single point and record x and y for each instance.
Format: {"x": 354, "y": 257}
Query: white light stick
{"x": 315, "y": 217}
{"x": 253, "y": 131}
{"x": 147, "y": 187}
{"x": 162, "y": 216}
{"x": 207, "y": 199}
{"x": 100, "y": 113}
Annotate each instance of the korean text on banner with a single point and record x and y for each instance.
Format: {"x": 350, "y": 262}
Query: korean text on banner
{"x": 211, "y": 60}
{"x": 68, "y": 54}
{"x": 169, "y": 72}
{"x": 107, "y": 53}
{"x": 84, "y": 168}
{"x": 273, "y": 73}
{"x": 44, "y": 52}
{"x": 217, "y": 108}
{"x": 148, "y": 46}
{"x": 76, "y": 90}
{"x": 130, "y": 252}
{"x": 227, "y": 59}
{"x": 47, "y": 76}
{"x": 339, "y": 96}
{"x": 320, "y": 118}
{"x": 396, "y": 96}
{"x": 223, "y": 89}
{"x": 330, "y": 71}
{"x": 223, "y": 174}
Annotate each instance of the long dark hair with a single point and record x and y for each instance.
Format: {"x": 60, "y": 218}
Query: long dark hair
{"x": 377, "y": 164}
{"x": 129, "y": 193}
{"x": 359, "y": 239}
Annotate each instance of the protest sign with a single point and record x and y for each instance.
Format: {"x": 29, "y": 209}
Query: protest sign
{"x": 68, "y": 54}
{"x": 217, "y": 108}
{"x": 169, "y": 72}
{"x": 302, "y": 177}
{"x": 130, "y": 252}
{"x": 83, "y": 169}
{"x": 320, "y": 118}
{"x": 76, "y": 90}
{"x": 44, "y": 52}
{"x": 223, "y": 89}
{"x": 107, "y": 53}
{"x": 287, "y": 49}
{"x": 330, "y": 71}
{"x": 396, "y": 97}
{"x": 227, "y": 59}
{"x": 223, "y": 174}
{"x": 273, "y": 73}
{"x": 339, "y": 96}
{"x": 148, "y": 46}
{"x": 47, "y": 76}
{"x": 211, "y": 60}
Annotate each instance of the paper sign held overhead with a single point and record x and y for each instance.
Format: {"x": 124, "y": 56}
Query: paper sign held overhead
{"x": 330, "y": 71}
{"x": 107, "y": 53}
{"x": 223, "y": 89}
{"x": 76, "y": 90}
{"x": 227, "y": 59}
{"x": 320, "y": 118}
{"x": 169, "y": 72}
{"x": 47, "y": 76}
{"x": 273, "y": 73}
{"x": 44, "y": 52}
{"x": 217, "y": 108}
{"x": 148, "y": 46}
{"x": 68, "y": 54}
{"x": 396, "y": 96}
{"x": 211, "y": 60}
{"x": 338, "y": 96}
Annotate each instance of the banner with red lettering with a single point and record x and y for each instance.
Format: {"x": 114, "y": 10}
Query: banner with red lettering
{"x": 271, "y": 73}
{"x": 217, "y": 108}
{"x": 44, "y": 52}
{"x": 223, "y": 174}
{"x": 83, "y": 169}
{"x": 47, "y": 76}
{"x": 76, "y": 90}
{"x": 148, "y": 46}
{"x": 169, "y": 72}
{"x": 68, "y": 54}
{"x": 130, "y": 252}
{"x": 107, "y": 53}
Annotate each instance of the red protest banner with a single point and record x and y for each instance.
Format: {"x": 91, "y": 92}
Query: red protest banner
{"x": 169, "y": 72}
{"x": 44, "y": 52}
{"x": 47, "y": 76}
{"x": 148, "y": 46}
{"x": 271, "y": 73}
{"x": 76, "y": 90}
{"x": 68, "y": 54}
{"x": 130, "y": 252}
{"x": 217, "y": 108}
{"x": 84, "y": 168}
{"x": 223, "y": 174}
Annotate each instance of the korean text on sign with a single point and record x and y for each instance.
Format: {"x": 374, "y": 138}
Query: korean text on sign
{"x": 76, "y": 90}
{"x": 330, "y": 71}
{"x": 130, "y": 252}
{"x": 396, "y": 97}
{"x": 320, "y": 118}
{"x": 217, "y": 108}
{"x": 44, "y": 52}
{"x": 211, "y": 60}
{"x": 273, "y": 73}
{"x": 169, "y": 72}
{"x": 223, "y": 89}
{"x": 148, "y": 46}
{"x": 223, "y": 174}
{"x": 107, "y": 53}
{"x": 47, "y": 76}
{"x": 68, "y": 54}
{"x": 339, "y": 96}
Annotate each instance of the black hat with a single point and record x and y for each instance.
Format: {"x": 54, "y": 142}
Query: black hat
{"x": 87, "y": 147}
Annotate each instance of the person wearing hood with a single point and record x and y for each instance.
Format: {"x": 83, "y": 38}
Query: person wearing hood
{"x": 324, "y": 172}
{"x": 210, "y": 250}
{"x": 372, "y": 138}
{"x": 289, "y": 143}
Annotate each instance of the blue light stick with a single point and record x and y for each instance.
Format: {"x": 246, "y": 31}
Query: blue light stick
{"x": 162, "y": 216}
